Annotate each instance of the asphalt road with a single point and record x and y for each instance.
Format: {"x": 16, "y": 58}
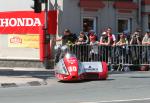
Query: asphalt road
{"x": 119, "y": 88}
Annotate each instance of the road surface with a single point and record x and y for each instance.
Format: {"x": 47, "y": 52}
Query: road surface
{"x": 133, "y": 87}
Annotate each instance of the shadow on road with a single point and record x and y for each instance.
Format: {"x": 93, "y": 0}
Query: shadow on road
{"x": 144, "y": 77}
{"x": 83, "y": 81}
{"x": 36, "y": 74}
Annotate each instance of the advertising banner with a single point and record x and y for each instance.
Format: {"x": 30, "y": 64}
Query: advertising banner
{"x": 23, "y": 41}
{"x": 25, "y": 29}
{"x": 21, "y": 22}
{"x": 52, "y": 22}
{"x": 26, "y": 22}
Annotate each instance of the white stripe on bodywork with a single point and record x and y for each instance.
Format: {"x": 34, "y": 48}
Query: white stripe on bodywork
{"x": 92, "y": 66}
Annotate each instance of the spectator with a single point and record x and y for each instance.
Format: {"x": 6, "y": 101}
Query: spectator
{"x": 121, "y": 49}
{"x": 82, "y": 39}
{"x": 94, "y": 48}
{"x": 111, "y": 37}
{"x": 146, "y": 39}
{"x": 146, "y": 50}
{"x": 135, "y": 39}
{"x": 122, "y": 40}
{"x": 82, "y": 49}
{"x": 135, "y": 50}
{"x": 103, "y": 39}
{"x": 68, "y": 38}
{"x": 92, "y": 35}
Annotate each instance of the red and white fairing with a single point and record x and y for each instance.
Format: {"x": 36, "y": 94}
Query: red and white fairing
{"x": 70, "y": 69}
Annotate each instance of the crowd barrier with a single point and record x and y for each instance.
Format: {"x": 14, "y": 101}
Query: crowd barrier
{"x": 130, "y": 55}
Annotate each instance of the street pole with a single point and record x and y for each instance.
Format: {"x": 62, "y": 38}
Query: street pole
{"x": 46, "y": 37}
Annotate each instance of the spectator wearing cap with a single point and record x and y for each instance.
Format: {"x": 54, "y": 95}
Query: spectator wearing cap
{"x": 103, "y": 39}
{"x": 68, "y": 37}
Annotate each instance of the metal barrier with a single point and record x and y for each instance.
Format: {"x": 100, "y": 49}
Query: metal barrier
{"x": 120, "y": 56}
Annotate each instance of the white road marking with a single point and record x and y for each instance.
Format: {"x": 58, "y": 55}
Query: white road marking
{"x": 118, "y": 101}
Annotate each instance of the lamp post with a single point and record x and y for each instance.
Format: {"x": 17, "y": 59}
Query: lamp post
{"x": 46, "y": 37}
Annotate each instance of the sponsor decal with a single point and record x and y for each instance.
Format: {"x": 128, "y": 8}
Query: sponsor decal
{"x": 21, "y": 22}
{"x": 27, "y": 22}
{"x": 12, "y": 22}
{"x": 92, "y": 66}
{"x": 16, "y": 40}
{"x": 23, "y": 41}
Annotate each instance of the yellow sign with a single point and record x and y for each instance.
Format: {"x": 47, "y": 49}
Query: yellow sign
{"x": 23, "y": 41}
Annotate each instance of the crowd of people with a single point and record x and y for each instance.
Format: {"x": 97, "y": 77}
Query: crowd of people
{"x": 104, "y": 39}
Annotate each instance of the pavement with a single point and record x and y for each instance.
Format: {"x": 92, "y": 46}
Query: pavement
{"x": 17, "y": 77}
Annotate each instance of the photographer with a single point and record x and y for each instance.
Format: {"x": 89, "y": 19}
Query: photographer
{"x": 135, "y": 39}
{"x": 135, "y": 50}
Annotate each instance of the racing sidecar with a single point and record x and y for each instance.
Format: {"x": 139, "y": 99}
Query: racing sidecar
{"x": 69, "y": 68}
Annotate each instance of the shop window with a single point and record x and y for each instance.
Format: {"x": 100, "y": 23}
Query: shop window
{"x": 89, "y": 23}
{"x": 149, "y": 22}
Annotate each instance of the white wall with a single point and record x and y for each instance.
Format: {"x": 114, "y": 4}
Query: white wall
{"x": 16, "y": 53}
{"x": 15, "y": 5}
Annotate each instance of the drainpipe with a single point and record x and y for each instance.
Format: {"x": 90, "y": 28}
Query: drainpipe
{"x": 139, "y": 13}
{"x": 55, "y": 5}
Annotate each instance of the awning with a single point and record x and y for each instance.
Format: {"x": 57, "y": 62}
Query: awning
{"x": 125, "y": 5}
{"x": 91, "y": 4}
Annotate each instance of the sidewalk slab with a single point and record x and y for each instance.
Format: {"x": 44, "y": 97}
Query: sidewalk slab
{"x": 11, "y": 81}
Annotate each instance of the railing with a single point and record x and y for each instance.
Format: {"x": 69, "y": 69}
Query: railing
{"x": 119, "y": 56}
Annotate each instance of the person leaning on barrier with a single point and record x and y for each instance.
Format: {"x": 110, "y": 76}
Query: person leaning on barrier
{"x": 68, "y": 37}
{"x": 94, "y": 48}
{"x": 146, "y": 51}
{"x": 82, "y": 39}
{"x": 146, "y": 39}
{"x": 111, "y": 37}
{"x": 92, "y": 34}
{"x": 103, "y": 39}
{"x": 107, "y": 38}
{"x": 81, "y": 48}
{"x": 121, "y": 49}
{"x": 122, "y": 40}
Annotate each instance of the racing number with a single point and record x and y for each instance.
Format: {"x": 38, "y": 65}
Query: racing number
{"x": 72, "y": 69}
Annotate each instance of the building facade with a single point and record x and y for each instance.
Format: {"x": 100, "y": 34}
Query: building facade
{"x": 84, "y": 15}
